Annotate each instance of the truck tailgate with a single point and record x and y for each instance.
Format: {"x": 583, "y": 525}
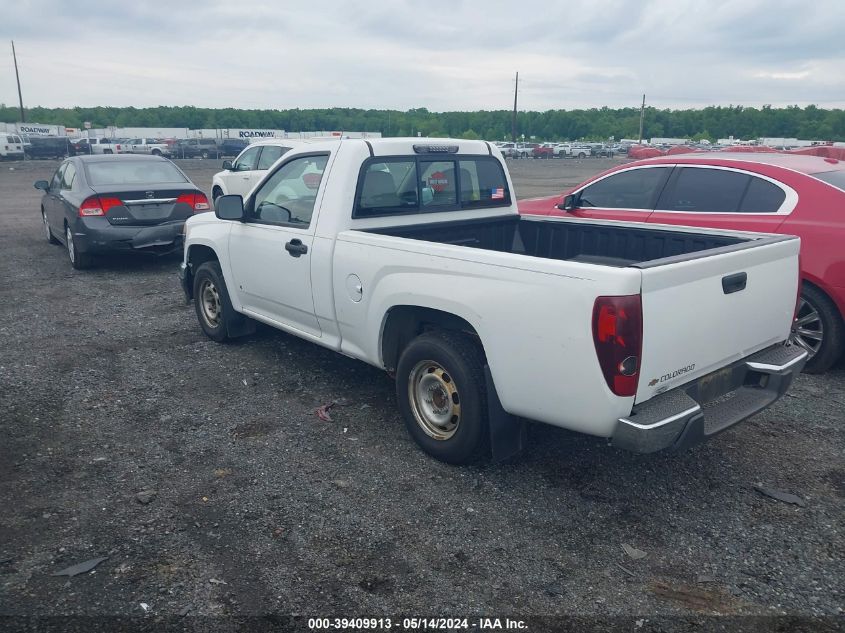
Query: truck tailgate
{"x": 703, "y": 313}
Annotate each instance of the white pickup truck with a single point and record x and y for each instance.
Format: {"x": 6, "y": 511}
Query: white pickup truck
{"x": 409, "y": 255}
{"x": 152, "y": 146}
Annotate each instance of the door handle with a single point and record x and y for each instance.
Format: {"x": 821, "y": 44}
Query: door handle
{"x": 296, "y": 248}
{"x": 734, "y": 283}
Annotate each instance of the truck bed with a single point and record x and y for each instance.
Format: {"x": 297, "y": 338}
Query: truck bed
{"x": 577, "y": 240}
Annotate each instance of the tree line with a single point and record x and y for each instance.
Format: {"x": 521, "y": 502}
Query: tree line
{"x": 711, "y": 123}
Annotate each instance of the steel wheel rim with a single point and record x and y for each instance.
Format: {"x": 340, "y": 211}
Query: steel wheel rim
{"x": 807, "y": 328}
{"x": 434, "y": 399}
{"x": 210, "y": 303}
{"x": 70, "y": 249}
{"x": 46, "y": 226}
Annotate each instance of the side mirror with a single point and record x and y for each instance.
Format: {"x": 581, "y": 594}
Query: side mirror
{"x": 227, "y": 164}
{"x": 230, "y": 207}
{"x": 42, "y": 184}
{"x": 568, "y": 203}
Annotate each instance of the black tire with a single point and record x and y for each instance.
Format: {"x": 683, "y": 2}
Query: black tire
{"x": 156, "y": 152}
{"x": 210, "y": 289}
{"x": 818, "y": 317}
{"x": 107, "y": 151}
{"x": 216, "y": 193}
{"x": 48, "y": 232}
{"x": 459, "y": 384}
{"x": 205, "y": 153}
{"x": 582, "y": 155}
{"x": 80, "y": 261}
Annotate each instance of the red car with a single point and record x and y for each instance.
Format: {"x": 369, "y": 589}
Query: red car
{"x": 771, "y": 193}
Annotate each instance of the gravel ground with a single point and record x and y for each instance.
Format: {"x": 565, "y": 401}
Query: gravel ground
{"x": 254, "y": 506}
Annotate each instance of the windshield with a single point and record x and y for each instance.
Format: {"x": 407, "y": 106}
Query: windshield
{"x": 835, "y": 178}
{"x": 132, "y": 172}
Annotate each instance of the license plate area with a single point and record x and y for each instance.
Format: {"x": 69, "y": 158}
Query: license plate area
{"x": 718, "y": 385}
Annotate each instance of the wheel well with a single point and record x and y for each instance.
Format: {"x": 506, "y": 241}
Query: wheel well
{"x": 806, "y": 282}
{"x": 404, "y": 323}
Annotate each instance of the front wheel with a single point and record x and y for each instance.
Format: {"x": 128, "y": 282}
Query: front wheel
{"x": 818, "y": 329}
{"x": 216, "y": 193}
{"x": 441, "y": 392}
{"x": 211, "y": 301}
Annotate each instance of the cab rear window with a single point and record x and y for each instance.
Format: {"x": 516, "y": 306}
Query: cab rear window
{"x": 401, "y": 185}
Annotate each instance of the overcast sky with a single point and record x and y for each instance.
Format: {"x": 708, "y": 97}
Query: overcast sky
{"x": 438, "y": 54}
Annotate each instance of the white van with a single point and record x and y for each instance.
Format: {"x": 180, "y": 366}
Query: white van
{"x": 11, "y": 146}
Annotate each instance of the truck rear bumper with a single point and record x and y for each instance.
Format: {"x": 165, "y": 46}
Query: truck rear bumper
{"x": 683, "y": 417}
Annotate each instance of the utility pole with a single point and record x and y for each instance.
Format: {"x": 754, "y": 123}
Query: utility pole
{"x": 18, "y": 77}
{"x": 642, "y": 118}
{"x": 513, "y": 118}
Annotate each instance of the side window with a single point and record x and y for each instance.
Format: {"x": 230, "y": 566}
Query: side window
{"x": 632, "y": 189}
{"x": 705, "y": 191}
{"x": 270, "y": 154}
{"x": 288, "y": 196}
{"x": 247, "y": 160}
{"x": 762, "y": 196}
{"x": 69, "y": 176}
{"x": 57, "y": 177}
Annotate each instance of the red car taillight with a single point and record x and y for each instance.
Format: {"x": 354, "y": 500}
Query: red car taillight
{"x": 197, "y": 201}
{"x": 618, "y": 337}
{"x": 97, "y": 205}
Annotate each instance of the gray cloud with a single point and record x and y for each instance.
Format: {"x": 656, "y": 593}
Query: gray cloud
{"x": 443, "y": 55}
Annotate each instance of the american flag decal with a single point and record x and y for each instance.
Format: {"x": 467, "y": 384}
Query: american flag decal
{"x": 497, "y": 193}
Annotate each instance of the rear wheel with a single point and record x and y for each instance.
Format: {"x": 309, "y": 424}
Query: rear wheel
{"x": 582, "y": 155}
{"x": 78, "y": 260}
{"x": 818, "y": 329}
{"x": 156, "y": 152}
{"x": 47, "y": 229}
{"x": 216, "y": 193}
{"x": 107, "y": 151}
{"x": 205, "y": 153}
{"x": 441, "y": 392}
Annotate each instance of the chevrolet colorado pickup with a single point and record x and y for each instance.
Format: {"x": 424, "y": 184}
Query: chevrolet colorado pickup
{"x": 410, "y": 255}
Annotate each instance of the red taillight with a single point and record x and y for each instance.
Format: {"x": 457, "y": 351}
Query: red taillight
{"x": 197, "y": 201}
{"x": 618, "y": 337}
{"x": 117, "y": 147}
{"x": 97, "y": 205}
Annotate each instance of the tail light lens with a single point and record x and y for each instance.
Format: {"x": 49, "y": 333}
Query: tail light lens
{"x": 197, "y": 201}
{"x": 618, "y": 337}
{"x": 97, "y": 205}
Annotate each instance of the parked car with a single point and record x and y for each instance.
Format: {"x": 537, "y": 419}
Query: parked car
{"x": 117, "y": 204}
{"x": 151, "y": 146}
{"x": 773, "y": 193}
{"x": 571, "y": 150}
{"x": 11, "y": 146}
{"x": 231, "y": 146}
{"x": 410, "y": 255}
{"x": 546, "y": 150}
{"x": 240, "y": 175}
{"x": 102, "y": 145}
{"x": 49, "y": 147}
{"x": 196, "y": 147}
